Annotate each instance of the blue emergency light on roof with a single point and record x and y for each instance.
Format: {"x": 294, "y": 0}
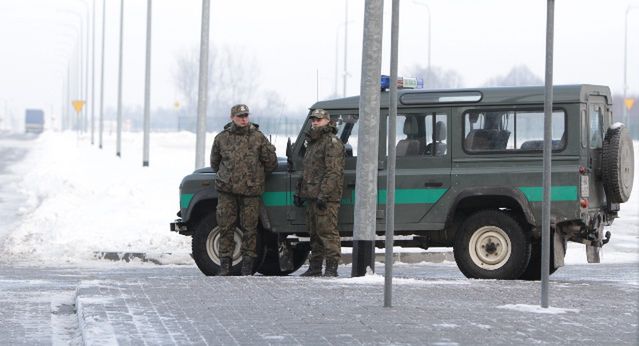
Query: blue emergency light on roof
{"x": 402, "y": 83}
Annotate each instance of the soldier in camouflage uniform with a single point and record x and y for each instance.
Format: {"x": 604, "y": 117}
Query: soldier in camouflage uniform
{"x": 241, "y": 156}
{"x": 321, "y": 188}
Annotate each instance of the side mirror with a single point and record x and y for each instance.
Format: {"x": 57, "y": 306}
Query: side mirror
{"x": 289, "y": 160}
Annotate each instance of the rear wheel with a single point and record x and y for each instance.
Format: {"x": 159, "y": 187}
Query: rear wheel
{"x": 491, "y": 244}
{"x": 205, "y": 247}
{"x": 533, "y": 270}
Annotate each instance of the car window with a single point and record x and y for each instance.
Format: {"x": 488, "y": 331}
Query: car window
{"x": 422, "y": 135}
{"x": 596, "y": 131}
{"x": 347, "y": 127}
{"x": 511, "y": 130}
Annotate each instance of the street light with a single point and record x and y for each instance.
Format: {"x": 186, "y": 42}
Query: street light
{"x": 429, "y": 26}
{"x": 80, "y": 58}
{"x": 345, "y": 44}
{"x": 625, "y": 65}
{"x": 339, "y": 27}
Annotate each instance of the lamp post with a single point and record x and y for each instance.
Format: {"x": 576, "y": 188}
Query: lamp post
{"x": 429, "y": 26}
{"x": 337, "y": 31}
{"x": 81, "y": 59}
{"x": 345, "y": 44}
{"x": 625, "y": 65}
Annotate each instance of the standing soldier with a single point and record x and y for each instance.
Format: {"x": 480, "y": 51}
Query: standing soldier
{"x": 321, "y": 187}
{"x": 241, "y": 156}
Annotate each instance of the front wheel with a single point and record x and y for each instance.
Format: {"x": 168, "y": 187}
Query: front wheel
{"x": 491, "y": 244}
{"x": 205, "y": 247}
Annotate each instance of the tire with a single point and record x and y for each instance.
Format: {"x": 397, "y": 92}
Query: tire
{"x": 533, "y": 270}
{"x": 205, "y": 247}
{"x": 271, "y": 264}
{"x": 491, "y": 245}
{"x": 618, "y": 164}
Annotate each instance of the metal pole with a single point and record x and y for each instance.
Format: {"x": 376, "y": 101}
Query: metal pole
{"x": 336, "y": 60}
{"x": 429, "y": 36}
{"x": 93, "y": 78}
{"x": 86, "y": 77}
{"x": 101, "y": 125}
{"x": 79, "y": 86}
{"x": 368, "y": 140}
{"x": 390, "y": 169}
{"x": 68, "y": 121}
{"x": 200, "y": 138}
{"x": 547, "y": 165}
{"x": 625, "y": 117}
{"x": 118, "y": 146}
{"x": 625, "y": 66}
{"x": 147, "y": 88}
{"x": 345, "y": 44}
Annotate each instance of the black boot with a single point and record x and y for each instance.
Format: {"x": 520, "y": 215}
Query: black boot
{"x": 225, "y": 266}
{"x": 331, "y": 267}
{"x": 247, "y": 266}
{"x": 314, "y": 268}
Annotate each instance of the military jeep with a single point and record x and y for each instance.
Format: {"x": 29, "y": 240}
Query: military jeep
{"x": 469, "y": 176}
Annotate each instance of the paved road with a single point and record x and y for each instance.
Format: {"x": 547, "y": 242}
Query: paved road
{"x": 13, "y": 148}
{"x": 433, "y": 304}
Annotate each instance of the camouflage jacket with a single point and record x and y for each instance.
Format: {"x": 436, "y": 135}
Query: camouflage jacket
{"x": 241, "y": 156}
{"x": 323, "y": 175}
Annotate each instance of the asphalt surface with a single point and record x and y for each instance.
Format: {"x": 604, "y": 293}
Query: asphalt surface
{"x": 432, "y": 304}
{"x": 13, "y": 148}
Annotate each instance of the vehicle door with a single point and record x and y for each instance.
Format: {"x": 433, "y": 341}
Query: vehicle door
{"x": 594, "y": 136}
{"x": 423, "y": 166}
{"x": 347, "y": 126}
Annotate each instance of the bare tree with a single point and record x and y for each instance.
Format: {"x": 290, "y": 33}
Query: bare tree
{"x": 517, "y": 76}
{"x": 232, "y": 79}
{"x": 436, "y": 77}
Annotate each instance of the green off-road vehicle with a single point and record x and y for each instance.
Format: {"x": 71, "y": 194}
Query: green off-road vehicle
{"x": 469, "y": 176}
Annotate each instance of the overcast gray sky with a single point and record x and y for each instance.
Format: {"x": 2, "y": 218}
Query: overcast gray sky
{"x": 293, "y": 41}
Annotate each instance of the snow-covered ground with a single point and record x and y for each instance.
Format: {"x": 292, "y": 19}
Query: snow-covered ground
{"x": 80, "y": 200}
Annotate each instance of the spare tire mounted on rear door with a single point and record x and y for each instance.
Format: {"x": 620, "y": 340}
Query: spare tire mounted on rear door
{"x": 618, "y": 163}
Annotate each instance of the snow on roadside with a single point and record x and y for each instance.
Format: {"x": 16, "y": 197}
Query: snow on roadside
{"x": 82, "y": 199}
{"x": 537, "y": 309}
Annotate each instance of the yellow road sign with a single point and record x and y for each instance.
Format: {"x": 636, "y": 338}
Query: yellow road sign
{"x": 77, "y": 105}
{"x": 629, "y": 103}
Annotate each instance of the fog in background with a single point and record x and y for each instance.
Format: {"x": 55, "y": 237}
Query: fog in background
{"x": 279, "y": 57}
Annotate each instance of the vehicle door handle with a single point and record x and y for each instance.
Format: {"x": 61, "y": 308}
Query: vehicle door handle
{"x": 433, "y": 184}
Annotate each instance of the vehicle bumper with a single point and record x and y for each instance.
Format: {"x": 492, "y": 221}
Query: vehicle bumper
{"x": 180, "y": 227}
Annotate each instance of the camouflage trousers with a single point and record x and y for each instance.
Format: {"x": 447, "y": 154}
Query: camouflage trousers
{"x": 229, "y": 207}
{"x": 322, "y": 227}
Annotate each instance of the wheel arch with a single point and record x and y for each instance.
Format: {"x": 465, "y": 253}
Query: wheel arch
{"x": 474, "y": 199}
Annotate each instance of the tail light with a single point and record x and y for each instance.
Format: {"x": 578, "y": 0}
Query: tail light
{"x": 583, "y": 203}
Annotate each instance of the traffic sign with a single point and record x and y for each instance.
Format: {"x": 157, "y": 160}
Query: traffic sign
{"x": 77, "y": 105}
{"x": 629, "y": 103}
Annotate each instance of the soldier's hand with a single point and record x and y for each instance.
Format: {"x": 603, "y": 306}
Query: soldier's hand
{"x": 298, "y": 201}
{"x": 321, "y": 204}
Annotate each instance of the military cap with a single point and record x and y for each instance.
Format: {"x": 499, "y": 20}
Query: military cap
{"x": 320, "y": 114}
{"x": 239, "y": 110}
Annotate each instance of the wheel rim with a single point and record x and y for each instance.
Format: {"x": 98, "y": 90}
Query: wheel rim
{"x": 489, "y": 247}
{"x": 213, "y": 245}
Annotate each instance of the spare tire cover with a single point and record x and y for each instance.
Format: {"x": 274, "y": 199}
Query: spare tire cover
{"x": 618, "y": 163}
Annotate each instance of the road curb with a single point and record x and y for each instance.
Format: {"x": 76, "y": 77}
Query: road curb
{"x": 93, "y": 320}
{"x": 347, "y": 258}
